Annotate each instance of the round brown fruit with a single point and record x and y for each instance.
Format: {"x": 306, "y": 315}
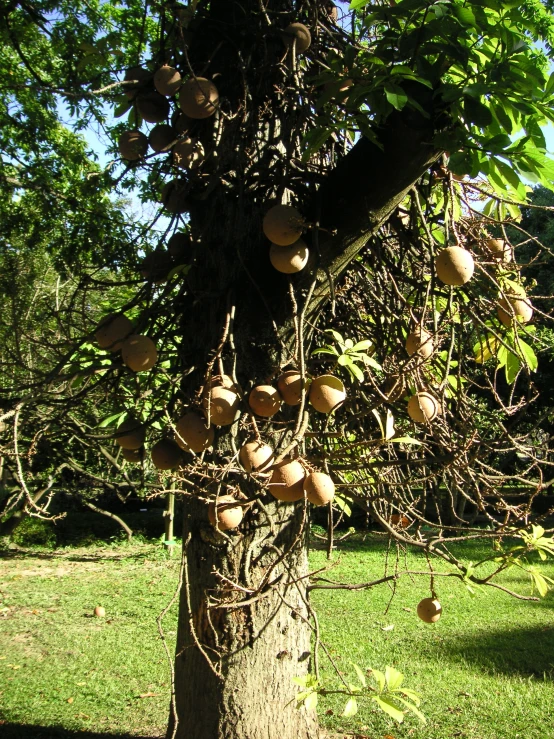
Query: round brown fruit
{"x": 167, "y": 81}
{"x": 264, "y": 400}
{"x": 99, "y": 612}
{"x": 283, "y": 225}
{"x": 188, "y": 154}
{"x": 289, "y": 259}
{"x": 178, "y": 247}
{"x": 156, "y": 266}
{"x": 132, "y": 145}
{"x": 130, "y": 435}
{"x": 153, "y": 107}
{"x": 140, "y": 76}
{"x": 500, "y": 249}
{"x": 289, "y": 385}
{"x": 229, "y": 513}
{"x": 112, "y": 331}
{"x": 174, "y": 197}
{"x": 423, "y": 407}
{"x": 429, "y": 610}
{"x": 454, "y": 266}
{"x": 139, "y": 353}
{"x": 300, "y": 33}
{"x": 165, "y": 454}
{"x": 514, "y": 308}
{"x": 319, "y": 488}
{"x": 192, "y": 432}
{"x": 133, "y": 456}
{"x": 327, "y": 393}
{"x": 198, "y": 98}
{"x": 161, "y": 137}
{"x": 402, "y": 522}
{"x": 221, "y": 381}
{"x": 287, "y": 481}
{"x": 420, "y": 342}
{"x": 223, "y": 405}
{"x": 256, "y": 456}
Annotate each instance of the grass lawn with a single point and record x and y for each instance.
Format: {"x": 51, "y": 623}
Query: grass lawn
{"x": 485, "y": 670}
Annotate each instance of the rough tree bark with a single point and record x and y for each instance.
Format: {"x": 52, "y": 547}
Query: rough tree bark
{"x": 234, "y": 664}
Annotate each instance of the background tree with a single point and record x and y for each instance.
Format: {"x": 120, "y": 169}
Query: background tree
{"x": 350, "y": 129}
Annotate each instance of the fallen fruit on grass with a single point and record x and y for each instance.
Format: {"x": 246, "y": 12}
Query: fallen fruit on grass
{"x": 429, "y": 610}
{"x": 289, "y": 385}
{"x": 229, "y": 514}
{"x": 283, "y": 225}
{"x": 423, "y": 407}
{"x": 112, "y": 331}
{"x": 99, "y": 612}
{"x": 287, "y": 481}
{"x": 454, "y": 266}
{"x": 264, "y": 400}
{"x": 139, "y": 353}
{"x": 327, "y": 393}
{"x": 289, "y": 259}
{"x": 516, "y": 308}
{"x": 198, "y": 98}
{"x": 255, "y": 456}
{"x": 420, "y": 342}
{"x": 319, "y": 488}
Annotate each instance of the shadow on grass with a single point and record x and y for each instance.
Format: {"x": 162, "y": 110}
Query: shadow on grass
{"x": 524, "y": 652}
{"x": 24, "y": 731}
{"x": 64, "y": 556}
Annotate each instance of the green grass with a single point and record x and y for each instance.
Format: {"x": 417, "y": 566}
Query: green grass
{"x": 484, "y": 670}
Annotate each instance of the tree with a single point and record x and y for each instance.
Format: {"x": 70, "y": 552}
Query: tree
{"x": 353, "y": 131}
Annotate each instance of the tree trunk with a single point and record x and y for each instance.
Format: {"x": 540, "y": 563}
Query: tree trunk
{"x": 235, "y": 663}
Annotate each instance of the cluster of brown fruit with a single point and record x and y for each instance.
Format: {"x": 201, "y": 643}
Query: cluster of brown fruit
{"x": 198, "y": 99}
{"x": 283, "y": 226}
{"x": 455, "y": 266}
{"x": 115, "y": 333}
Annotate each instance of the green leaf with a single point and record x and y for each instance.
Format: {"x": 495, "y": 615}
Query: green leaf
{"x": 393, "y": 677}
{"x": 351, "y": 708}
{"x": 513, "y": 365}
{"x": 395, "y": 95}
{"x": 110, "y": 419}
{"x": 529, "y": 355}
{"x": 406, "y": 440}
{"x": 311, "y": 701}
{"x": 464, "y": 15}
{"x": 357, "y": 4}
{"x": 360, "y": 674}
{"x": 388, "y": 705}
{"x": 380, "y": 678}
{"x": 476, "y": 112}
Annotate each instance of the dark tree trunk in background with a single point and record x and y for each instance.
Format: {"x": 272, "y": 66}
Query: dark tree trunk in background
{"x": 234, "y": 665}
